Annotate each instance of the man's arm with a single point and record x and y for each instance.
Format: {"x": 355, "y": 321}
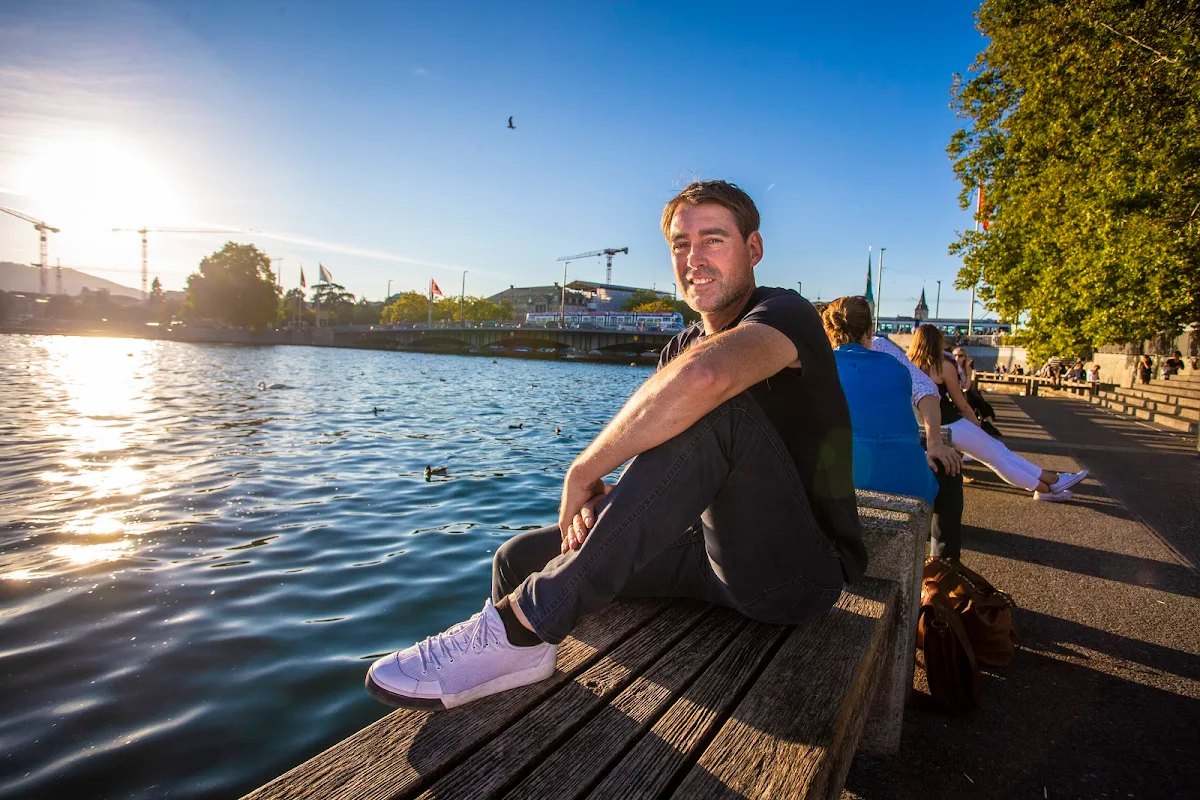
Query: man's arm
{"x": 672, "y": 400}
{"x": 927, "y": 401}
{"x": 931, "y": 417}
{"x": 922, "y": 384}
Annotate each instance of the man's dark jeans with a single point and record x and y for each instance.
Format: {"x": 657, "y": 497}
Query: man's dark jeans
{"x": 718, "y": 513}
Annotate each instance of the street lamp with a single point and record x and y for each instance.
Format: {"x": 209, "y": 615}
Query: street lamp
{"x": 389, "y": 292}
{"x": 937, "y": 308}
{"x": 879, "y": 288}
{"x": 461, "y": 299}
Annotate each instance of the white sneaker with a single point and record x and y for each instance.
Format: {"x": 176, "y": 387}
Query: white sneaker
{"x": 1053, "y": 497}
{"x": 1068, "y": 479}
{"x": 472, "y": 659}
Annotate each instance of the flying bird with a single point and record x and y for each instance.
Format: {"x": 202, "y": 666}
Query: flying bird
{"x": 510, "y": 125}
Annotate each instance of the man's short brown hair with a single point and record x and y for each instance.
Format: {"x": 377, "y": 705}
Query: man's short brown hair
{"x": 722, "y": 193}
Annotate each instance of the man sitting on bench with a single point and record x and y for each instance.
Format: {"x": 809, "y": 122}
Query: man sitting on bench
{"x": 740, "y": 491}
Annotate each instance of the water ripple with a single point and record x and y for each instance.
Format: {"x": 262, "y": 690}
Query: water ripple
{"x": 189, "y": 564}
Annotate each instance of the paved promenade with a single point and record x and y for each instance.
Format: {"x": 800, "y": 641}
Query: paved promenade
{"x": 1103, "y": 698}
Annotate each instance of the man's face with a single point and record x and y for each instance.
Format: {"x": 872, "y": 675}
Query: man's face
{"x": 714, "y": 266}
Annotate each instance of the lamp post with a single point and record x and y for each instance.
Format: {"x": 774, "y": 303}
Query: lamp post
{"x": 800, "y": 288}
{"x": 389, "y": 292}
{"x": 879, "y": 288}
{"x": 462, "y": 298}
{"x": 562, "y": 303}
{"x": 937, "y": 308}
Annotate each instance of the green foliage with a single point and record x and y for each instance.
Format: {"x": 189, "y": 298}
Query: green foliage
{"x": 413, "y": 307}
{"x": 1084, "y": 128}
{"x": 646, "y": 300}
{"x": 406, "y": 307}
{"x": 658, "y": 306}
{"x": 234, "y": 285}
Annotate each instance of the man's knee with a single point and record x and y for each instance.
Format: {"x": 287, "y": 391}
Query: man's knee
{"x": 520, "y": 557}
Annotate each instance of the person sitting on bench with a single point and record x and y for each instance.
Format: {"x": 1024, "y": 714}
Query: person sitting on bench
{"x": 883, "y": 389}
{"x": 740, "y": 490}
{"x": 927, "y": 351}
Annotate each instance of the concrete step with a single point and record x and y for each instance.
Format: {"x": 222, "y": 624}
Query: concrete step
{"x": 1182, "y": 408}
{"x": 1174, "y": 421}
{"x": 1175, "y": 397}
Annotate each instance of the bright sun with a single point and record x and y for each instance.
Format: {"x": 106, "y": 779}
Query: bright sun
{"x": 98, "y": 179}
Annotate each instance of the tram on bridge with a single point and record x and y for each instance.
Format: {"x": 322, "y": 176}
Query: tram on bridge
{"x": 666, "y": 322}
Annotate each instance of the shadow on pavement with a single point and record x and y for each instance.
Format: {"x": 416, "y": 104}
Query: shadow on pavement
{"x": 1134, "y": 570}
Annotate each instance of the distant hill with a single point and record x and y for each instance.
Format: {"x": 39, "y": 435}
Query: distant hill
{"x": 23, "y": 278}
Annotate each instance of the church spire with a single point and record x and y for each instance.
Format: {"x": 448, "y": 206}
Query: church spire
{"x": 921, "y": 312}
{"x": 869, "y": 293}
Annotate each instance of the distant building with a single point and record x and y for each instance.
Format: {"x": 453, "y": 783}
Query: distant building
{"x": 581, "y": 296}
{"x": 609, "y": 296}
{"x": 531, "y": 299}
{"x": 921, "y": 312}
{"x": 869, "y": 293}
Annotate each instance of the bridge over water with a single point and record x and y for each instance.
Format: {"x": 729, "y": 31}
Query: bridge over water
{"x": 615, "y": 343}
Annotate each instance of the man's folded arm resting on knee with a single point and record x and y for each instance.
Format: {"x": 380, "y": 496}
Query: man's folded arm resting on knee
{"x": 675, "y": 398}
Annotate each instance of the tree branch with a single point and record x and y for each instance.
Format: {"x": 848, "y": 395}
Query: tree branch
{"x": 1161, "y": 56}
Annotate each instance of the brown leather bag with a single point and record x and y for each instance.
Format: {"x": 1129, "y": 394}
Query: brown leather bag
{"x": 985, "y": 611}
{"x": 954, "y": 680}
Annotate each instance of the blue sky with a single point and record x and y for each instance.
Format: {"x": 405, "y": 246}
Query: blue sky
{"x": 371, "y": 136}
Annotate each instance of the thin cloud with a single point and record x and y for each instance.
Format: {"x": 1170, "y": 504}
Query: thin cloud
{"x": 769, "y": 188}
{"x": 364, "y": 252}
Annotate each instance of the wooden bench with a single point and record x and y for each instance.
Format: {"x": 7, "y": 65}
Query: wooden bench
{"x": 656, "y": 698}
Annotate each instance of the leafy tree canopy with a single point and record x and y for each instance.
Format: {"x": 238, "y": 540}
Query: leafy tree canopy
{"x": 1083, "y": 127}
{"x": 234, "y": 285}
{"x": 414, "y": 307}
{"x": 648, "y": 301}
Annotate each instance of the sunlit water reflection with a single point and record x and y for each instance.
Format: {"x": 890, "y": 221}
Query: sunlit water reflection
{"x": 194, "y": 573}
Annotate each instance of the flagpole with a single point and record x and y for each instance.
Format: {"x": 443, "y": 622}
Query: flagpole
{"x": 431, "y": 302}
{"x": 971, "y": 312}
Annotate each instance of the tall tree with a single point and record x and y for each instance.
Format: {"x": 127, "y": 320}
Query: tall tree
{"x": 1083, "y": 127}
{"x": 234, "y": 285}
{"x": 406, "y": 307}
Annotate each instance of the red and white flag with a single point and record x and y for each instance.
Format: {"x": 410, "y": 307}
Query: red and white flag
{"x": 303, "y": 284}
{"x": 434, "y": 290}
{"x": 983, "y": 209}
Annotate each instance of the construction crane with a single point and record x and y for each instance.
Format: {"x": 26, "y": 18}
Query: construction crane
{"x": 144, "y": 231}
{"x": 42, "y": 229}
{"x": 610, "y": 252}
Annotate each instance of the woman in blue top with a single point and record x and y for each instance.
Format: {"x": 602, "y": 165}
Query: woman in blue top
{"x": 888, "y": 456}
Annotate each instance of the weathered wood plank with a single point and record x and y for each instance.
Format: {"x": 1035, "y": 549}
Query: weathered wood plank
{"x": 581, "y": 760}
{"x": 795, "y": 732}
{"x": 496, "y": 765}
{"x": 675, "y": 740}
{"x": 895, "y": 529}
{"x": 405, "y": 750}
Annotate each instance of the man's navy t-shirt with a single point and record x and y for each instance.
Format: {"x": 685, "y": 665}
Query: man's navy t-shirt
{"x": 809, "y": 410}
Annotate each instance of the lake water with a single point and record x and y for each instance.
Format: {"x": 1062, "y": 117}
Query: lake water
{"x": 195, "y": 573}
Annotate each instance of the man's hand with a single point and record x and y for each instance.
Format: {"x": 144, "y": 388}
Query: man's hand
{"x": 938, "y": 453}
{"x": 577, "y": 510}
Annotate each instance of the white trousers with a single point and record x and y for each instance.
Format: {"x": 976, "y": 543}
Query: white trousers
{"x": 969, "y": 438}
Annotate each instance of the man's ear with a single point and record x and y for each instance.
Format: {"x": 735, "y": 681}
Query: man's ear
{"x": 755, "y": 242}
